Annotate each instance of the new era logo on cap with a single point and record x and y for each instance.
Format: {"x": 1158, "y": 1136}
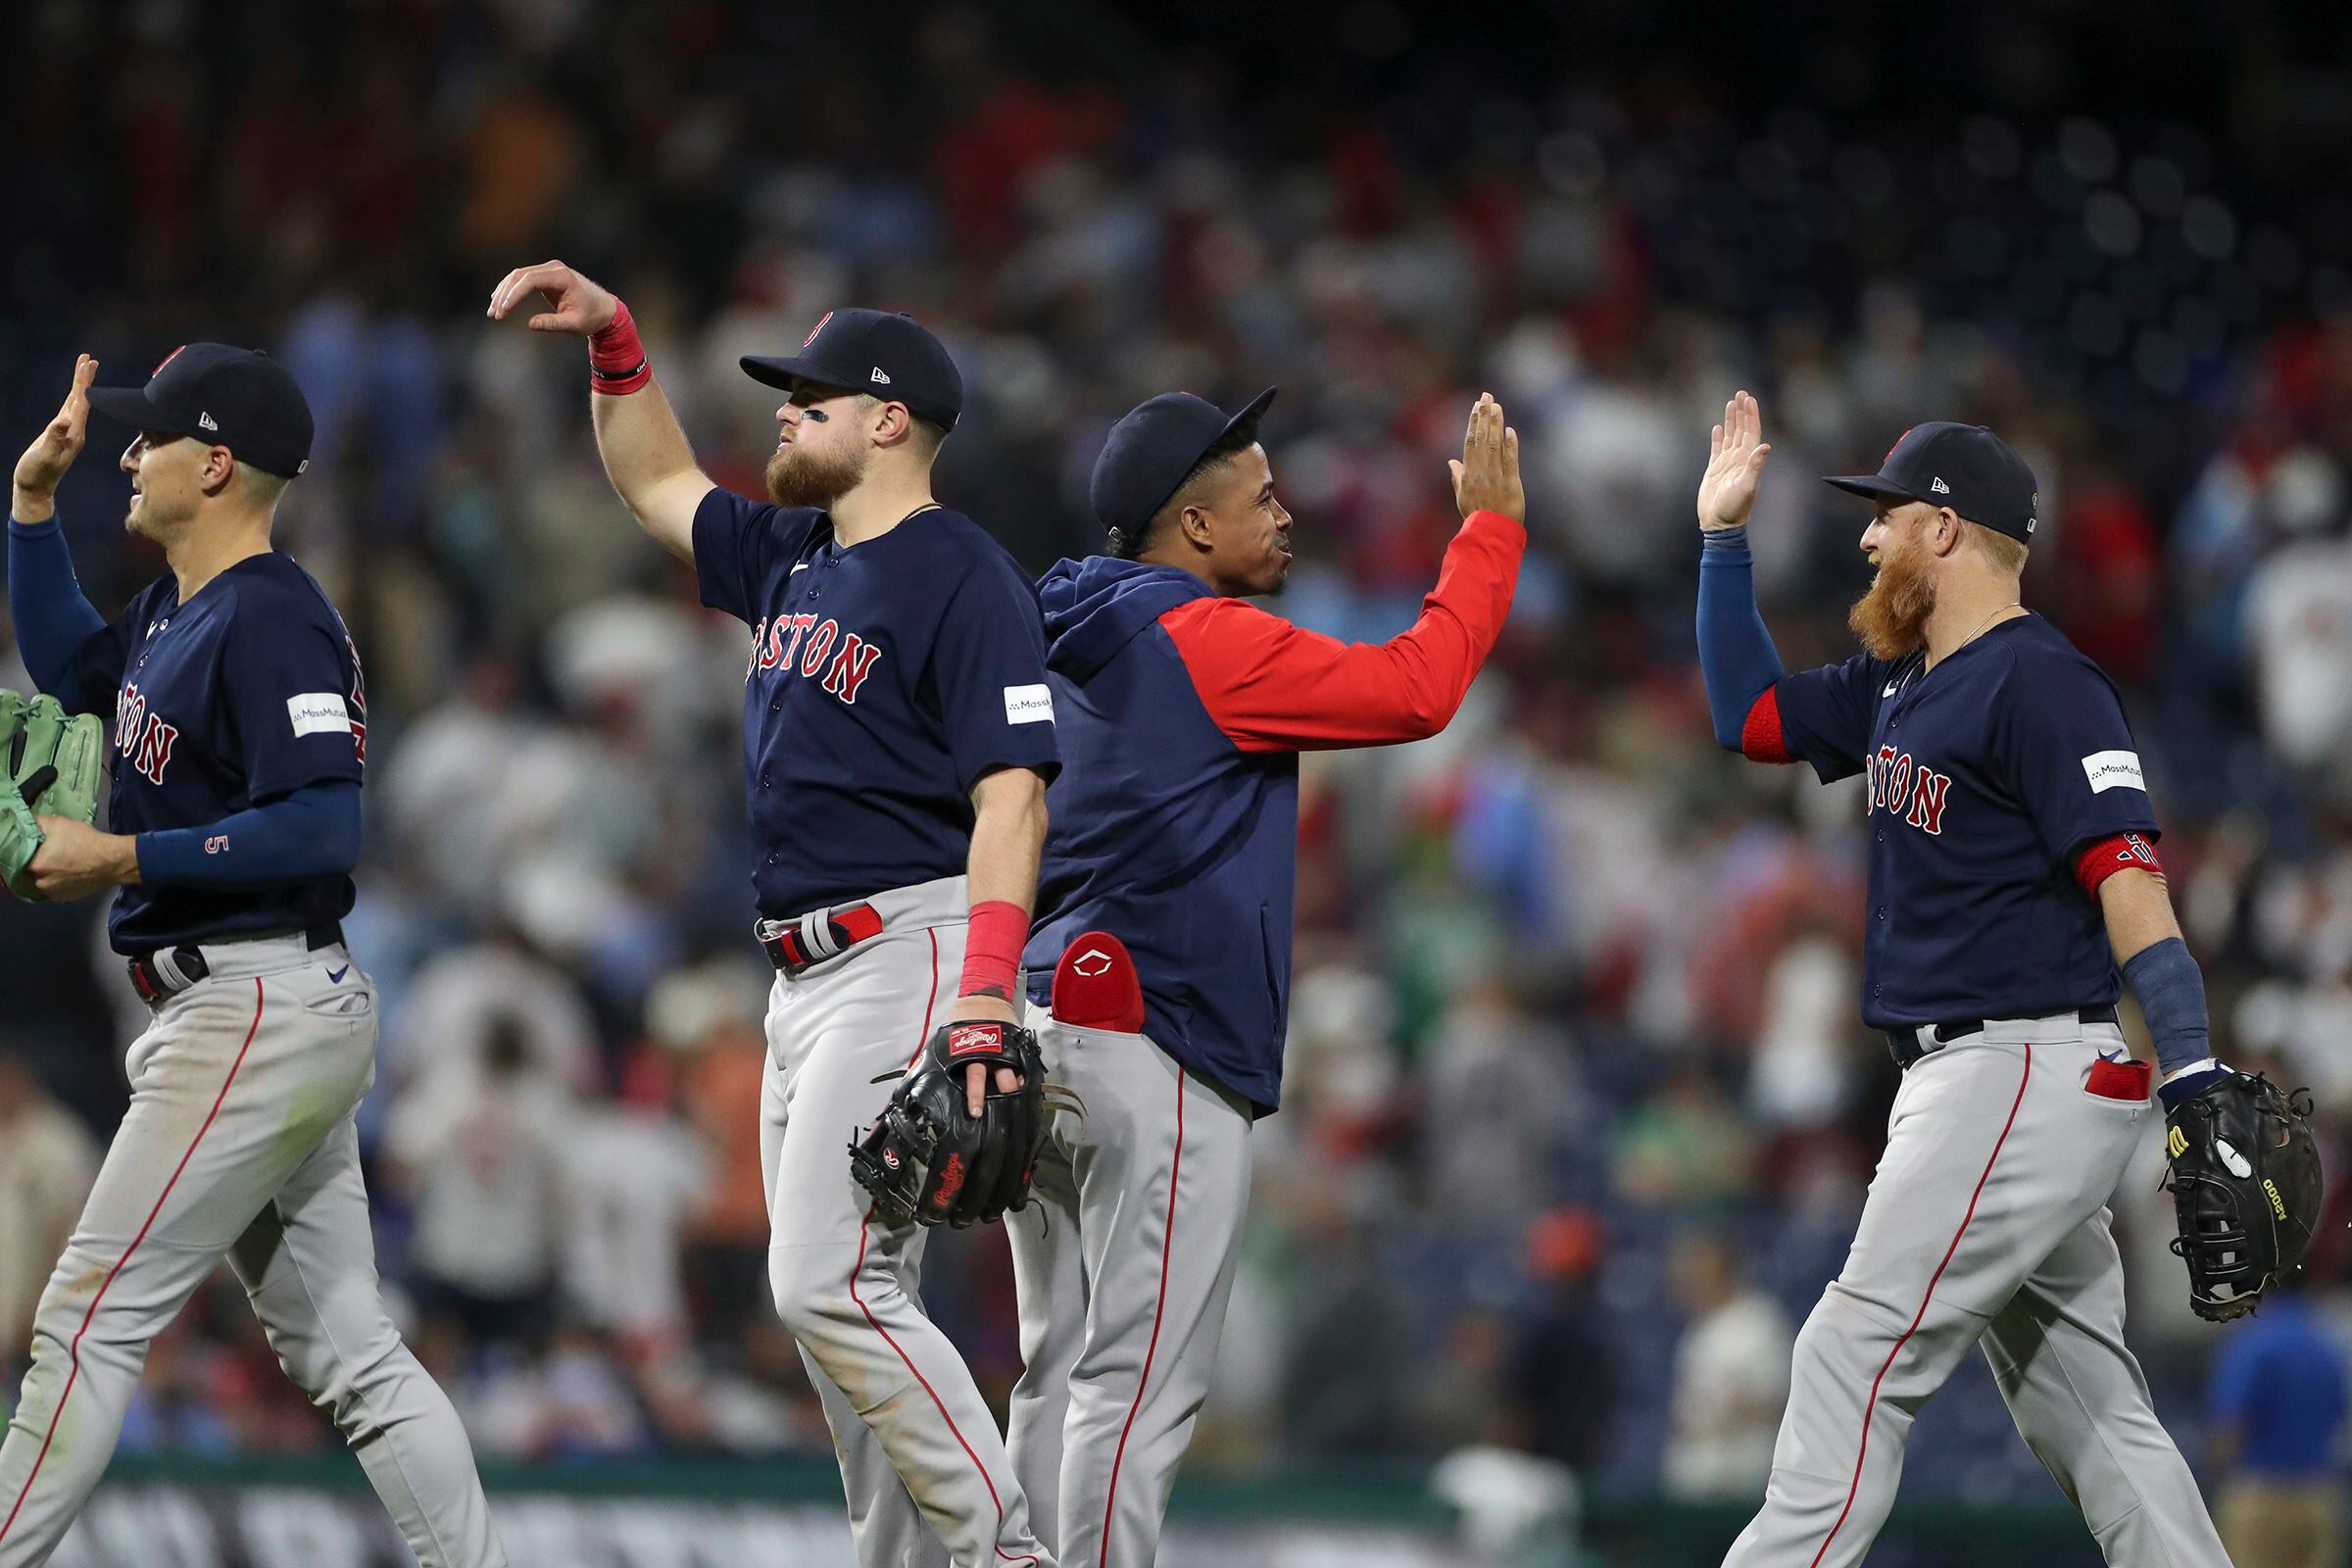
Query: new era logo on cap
{"x": 1939, "y": 487}
{"x": 879, "y": 378}
{"x": 204, "y": 421}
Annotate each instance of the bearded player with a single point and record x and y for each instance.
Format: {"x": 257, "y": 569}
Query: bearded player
{"x": 1161, "y": 969}
{"x": 2013, "y": 871}
{"x": 898, "y": 741}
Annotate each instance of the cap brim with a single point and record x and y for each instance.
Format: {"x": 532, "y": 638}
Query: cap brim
{"x": 1869, "y": 484}
{"x": 783, "y": 370}
{"x": 1252, "y": 412}
{"x": 128, "y": 405}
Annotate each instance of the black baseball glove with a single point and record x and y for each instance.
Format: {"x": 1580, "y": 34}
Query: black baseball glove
{"x": 2245, "y": 1179}
{"x": 928, "y": 1161}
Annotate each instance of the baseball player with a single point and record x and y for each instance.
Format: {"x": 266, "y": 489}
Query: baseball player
{"x": 898, "y": 740}
{"x": 2012, "y": 870}
{"x": 240, "y": 736}
{"x": 1161, "y": 969}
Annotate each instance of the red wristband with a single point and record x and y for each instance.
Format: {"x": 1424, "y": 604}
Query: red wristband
{"x": 2121, "y": 852}
{"x": 616, "y": 358}
{"x": 992, "y": 949}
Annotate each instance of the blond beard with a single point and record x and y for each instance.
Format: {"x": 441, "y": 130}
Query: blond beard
{"x": 800, "y": 478}
{"x": 1891, "y": 619}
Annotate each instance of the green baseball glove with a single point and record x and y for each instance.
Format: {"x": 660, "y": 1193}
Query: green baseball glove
{"x": 54, "y": 765}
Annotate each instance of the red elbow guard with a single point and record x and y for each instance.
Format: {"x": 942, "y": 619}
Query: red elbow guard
{"x": 2119, "y": 852}
{"x": 1760, "y": 738}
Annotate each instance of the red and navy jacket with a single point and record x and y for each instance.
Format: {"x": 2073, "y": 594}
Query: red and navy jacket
{"x": 1175, "y": 820}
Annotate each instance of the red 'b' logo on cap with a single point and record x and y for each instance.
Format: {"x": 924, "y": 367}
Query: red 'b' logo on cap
{"x": 167, "y": 358}
{"x": 819, "y": 327}
{"x": 1898, "y": 440}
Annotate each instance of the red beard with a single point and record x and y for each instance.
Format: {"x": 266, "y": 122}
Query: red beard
{"x": 1891, "y": 619}
{"x": 797, "y": 477}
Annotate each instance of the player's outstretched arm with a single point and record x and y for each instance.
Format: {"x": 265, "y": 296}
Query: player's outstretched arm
{"x": 1735, "y": 654}
{"x": 1272, "y": 686}
{"x": 54, "y": 621}
{"x": 645, "y": 451}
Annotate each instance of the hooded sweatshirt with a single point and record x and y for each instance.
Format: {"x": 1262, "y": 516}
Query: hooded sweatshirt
{"x": 1175, "y": 819}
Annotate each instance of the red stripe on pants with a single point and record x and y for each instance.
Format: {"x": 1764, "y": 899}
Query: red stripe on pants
{"x": 73, "y": 1353}
{"x": 1168, "y": 1242}
{"x": 1920, "y": 1315}
{"x": 865, "y": 1232}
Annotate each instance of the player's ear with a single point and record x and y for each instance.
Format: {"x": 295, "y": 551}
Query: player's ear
{"x": 219, "y": 468}
{"x": 1194, "y": 523}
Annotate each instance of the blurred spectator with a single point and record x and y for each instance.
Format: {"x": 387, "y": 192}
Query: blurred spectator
{"x": 1561, "y": 1393}
{"x": 1730, "y": 1376}
{"x": 2277, "y": 1406}
{"x": 456, "y": 1003}
{"x": 484, "y": 1148}
{"x": 47, "y": 1163}
{"x": 1687, "y": 1148}
{"x": 634, "y": 1172}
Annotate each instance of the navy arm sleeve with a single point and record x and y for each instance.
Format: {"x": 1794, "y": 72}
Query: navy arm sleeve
{"x": 2070, "y": 755}
{"x": 313, "y": 832}
{"x": 988, "y": 667}
{"x": 1735, "y": 654}
{"x": 66, "y": 643}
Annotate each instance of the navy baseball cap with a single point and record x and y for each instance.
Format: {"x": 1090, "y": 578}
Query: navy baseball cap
{"x": 889, "y": 356}
{"x": 1963, "y": 467}
{"x": 1148, "y": 453}
{"x": 240, "y": 399}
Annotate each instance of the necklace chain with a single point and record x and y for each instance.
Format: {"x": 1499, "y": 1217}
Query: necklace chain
{"x": 2014, "y": 604}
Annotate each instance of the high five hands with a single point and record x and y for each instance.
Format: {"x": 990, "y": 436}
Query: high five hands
{"x": 1734, "y": 463}
{"x": 43, "y": 465}
{"x": 1485, "y": 477}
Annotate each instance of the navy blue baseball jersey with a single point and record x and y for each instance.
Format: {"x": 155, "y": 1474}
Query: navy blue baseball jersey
{"x": 886, "y": 679}
{"x": 1985, "y": 776}
{"x": 248, "y": 692}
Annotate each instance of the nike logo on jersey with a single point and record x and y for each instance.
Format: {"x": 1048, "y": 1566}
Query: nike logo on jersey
{"x": 1910, "y": 792}
{"x": 805, "y": 643}
{"x": 334, "y": 977}
{"x": 1890, "y": 688}
{"x": 802, "y": 566}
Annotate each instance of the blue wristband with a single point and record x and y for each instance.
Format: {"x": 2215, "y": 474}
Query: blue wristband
{"x": 2171, "y": 988}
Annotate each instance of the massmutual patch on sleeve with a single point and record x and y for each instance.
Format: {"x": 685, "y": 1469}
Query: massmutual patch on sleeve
{"x": 1028, "y": 704}
{"x": 319, "y": 714}
{"x": 2113, "y": 770}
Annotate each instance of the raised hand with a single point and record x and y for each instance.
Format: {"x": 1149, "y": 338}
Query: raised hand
{"x": 44, "y": 463}
{"x": 1734, "y": 463}
{"x": 575, "y": 304}
{"x": 1485, "y": 477}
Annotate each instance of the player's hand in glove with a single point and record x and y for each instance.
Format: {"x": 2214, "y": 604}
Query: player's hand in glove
{"x": 929, "y": 1159}
{"x": 53, "y": 767}
{"x": 2245, "y": 1183}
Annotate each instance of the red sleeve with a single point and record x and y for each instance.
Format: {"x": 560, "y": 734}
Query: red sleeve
{"x": 1761, "y": 739}
{"x": 1275, "y": 687}
{"x": 2119, "y": 852}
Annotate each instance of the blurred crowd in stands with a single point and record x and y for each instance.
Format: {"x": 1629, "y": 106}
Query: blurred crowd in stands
{"x": 1580, "y": 1110}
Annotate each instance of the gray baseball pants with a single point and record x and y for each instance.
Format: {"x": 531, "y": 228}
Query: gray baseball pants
{"x": 239, "y": 1143}
{"x": 1987, "y": 1223}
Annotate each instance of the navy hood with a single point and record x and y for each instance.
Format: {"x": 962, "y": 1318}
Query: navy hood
{"x": 1096, "y": 607}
